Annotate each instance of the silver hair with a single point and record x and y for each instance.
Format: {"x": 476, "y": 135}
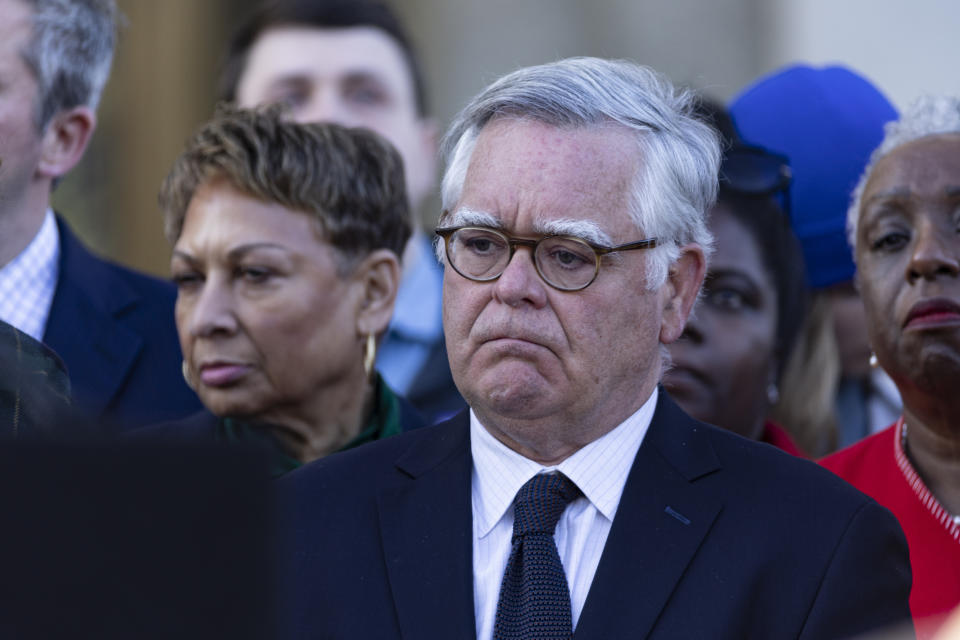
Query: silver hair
{"x": 70, "y": 53}
{"x": 927, "y": 116}
{"x": 678, "y": 155}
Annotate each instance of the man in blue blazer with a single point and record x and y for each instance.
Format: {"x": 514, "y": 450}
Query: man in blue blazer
{"x": 112, "y": 327}
{"x": 575, "y": 499}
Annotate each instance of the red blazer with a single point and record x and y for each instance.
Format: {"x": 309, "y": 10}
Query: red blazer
{"x": 878, "y": 466}
{"x": 777, "y": 436}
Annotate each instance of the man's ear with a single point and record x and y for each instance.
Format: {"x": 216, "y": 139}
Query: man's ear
{"x": 378, "y": 277}
{"x": 680, "y": 291}
{"x": 64, "y": 141}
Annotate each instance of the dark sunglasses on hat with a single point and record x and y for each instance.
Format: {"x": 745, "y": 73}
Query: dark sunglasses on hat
{"x": 756, "y": 171}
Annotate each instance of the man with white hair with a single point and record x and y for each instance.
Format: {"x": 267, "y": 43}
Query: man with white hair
{"x": 112, "y": 327}
{"x": 575, "y": 496}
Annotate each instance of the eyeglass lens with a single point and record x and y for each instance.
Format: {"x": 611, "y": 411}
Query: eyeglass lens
{"x": 483, "y": 254}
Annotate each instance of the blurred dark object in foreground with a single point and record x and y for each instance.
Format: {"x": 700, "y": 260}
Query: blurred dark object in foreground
{"x": 134, "y": 541}
{"x": 34, "y": 387}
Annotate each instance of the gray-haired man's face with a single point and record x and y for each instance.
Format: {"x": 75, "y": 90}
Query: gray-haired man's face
{"x": 522, "y": 351}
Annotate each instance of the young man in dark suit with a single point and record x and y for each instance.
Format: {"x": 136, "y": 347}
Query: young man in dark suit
{"x": 112, "y": 327}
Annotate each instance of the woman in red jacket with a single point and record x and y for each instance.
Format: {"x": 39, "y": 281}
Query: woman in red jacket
{"x": 904, "y": 225}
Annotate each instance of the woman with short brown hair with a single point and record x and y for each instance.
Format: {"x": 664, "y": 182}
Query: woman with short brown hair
{"x": 287, "y": 240}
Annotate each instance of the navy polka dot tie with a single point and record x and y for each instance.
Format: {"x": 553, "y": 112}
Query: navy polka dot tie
{"x": 534, "y": 598}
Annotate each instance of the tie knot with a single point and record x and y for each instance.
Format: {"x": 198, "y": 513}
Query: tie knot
{"x": 541, "y": 501}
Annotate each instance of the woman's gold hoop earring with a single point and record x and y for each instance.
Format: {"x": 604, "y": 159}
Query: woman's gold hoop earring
{"x": 369, "y": 355}
{"x": 185, "y": 369}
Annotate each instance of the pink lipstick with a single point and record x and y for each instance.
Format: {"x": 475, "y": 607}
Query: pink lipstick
{"x": 933, "y": 313}
{"x": 222, "y": 374}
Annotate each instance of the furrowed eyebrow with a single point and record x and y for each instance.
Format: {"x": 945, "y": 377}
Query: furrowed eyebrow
{"x": 237, "y": 253}
{"x": 584, "y": 229}
{"x": 295, "y": 79}
{"x": 184, "y": 255}
{"x": 357, "y": 76}
{"x": 466, "y": 217}
{"x": 897, "y": 193}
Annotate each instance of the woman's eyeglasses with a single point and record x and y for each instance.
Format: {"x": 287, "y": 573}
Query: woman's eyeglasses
{"x": 756, "y": 171}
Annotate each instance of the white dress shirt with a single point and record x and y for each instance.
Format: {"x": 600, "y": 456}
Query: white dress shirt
{"x": 599, "y": 469}
{"x": 28, "y": 282}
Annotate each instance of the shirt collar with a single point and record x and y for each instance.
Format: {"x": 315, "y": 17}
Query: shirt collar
{"x": 599, "y": 469}
{"x": 28, "y": 282}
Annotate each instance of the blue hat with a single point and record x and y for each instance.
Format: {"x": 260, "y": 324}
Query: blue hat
{"x": 827, "y": 122}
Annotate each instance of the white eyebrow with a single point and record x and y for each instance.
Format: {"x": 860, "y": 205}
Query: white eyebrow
{"x": 467, "y": 217}
{"x": 584, "y": 229}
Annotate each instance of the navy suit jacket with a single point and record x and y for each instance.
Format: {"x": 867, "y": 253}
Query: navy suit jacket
{"x": 114, "y": 330}
{"x": 715, "y": 537}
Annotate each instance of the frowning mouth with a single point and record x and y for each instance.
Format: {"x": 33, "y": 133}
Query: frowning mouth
{"x": 679, "y": 380}
{"x": 512, "y": 343}
{"x": 222, "y": 374}
{"x": 933, "y": 313}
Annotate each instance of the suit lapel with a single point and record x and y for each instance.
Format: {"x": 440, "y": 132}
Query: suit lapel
{"x": 427, "y": 528}
{"x": 660, "y": 523}
{"x": 97, "y": 349}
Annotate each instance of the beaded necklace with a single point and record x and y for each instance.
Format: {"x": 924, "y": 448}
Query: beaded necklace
{"x": 949, "y": 521}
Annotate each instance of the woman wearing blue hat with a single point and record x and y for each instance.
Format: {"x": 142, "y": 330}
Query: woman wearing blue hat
{"x": 826, "y": 121}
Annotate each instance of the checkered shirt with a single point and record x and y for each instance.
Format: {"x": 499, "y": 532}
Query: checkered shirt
{"x": 27, "y": 282}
